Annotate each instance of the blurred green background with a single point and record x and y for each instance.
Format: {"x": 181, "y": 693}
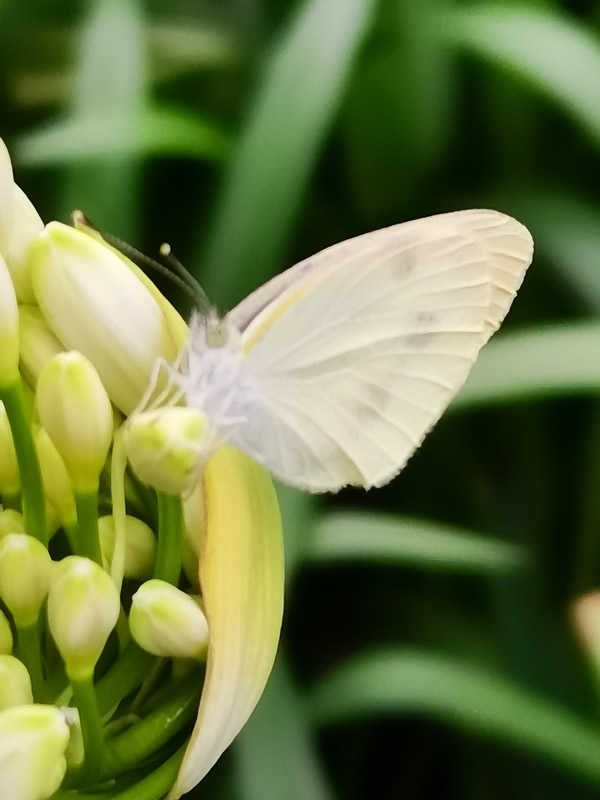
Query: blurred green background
{"x": 428, "y": 649}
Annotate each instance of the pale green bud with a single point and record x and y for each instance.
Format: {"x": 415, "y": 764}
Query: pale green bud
{"x": 38, "y": 343}
{"x": 75, "y": 751}
{"x": 163, "y": 447}
{"x": 94, "y": 303}
{"x": 15, "y": 683}
{"x": 9, "y": 468}
{"x": 6, "y": 198}
{"x": 75, "y": 410}
{"x": 140, "y": 546}
{"x": 57, "y": 484}
{"x": 11, "y": 521}
{"x": 83, "y": 608}
{"x": 9, "y": 329}
{"x": 167, "y": 622}
{"x": 6, "y": 636}
{"x": 25, "y": 573}
{"x": 33, "y": 740}
{"x": 27, "y": 225}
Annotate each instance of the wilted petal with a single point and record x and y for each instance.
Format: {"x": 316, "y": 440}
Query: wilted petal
{"x": 95, "y": 304}
{"x": 242, "y": 580}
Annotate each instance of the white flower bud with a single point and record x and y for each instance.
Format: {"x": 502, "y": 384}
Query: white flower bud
{"x": 6, "y": 198}
{"x": 37, "y": 342}
{"x": 15, "y": 683}
{"x": 96, "y": 304}
{"x": 26, "y": 226}
{"x": 83, "y": 608}
{"x": 11, "y": 521}
{"x": 164, "y": 446}
{"x": 25, "y": 573}
{"x": 6, "y": 636}
{"x": 75, "y": 411}
{"x": 33, "y": 740}
{"x": 167, "y": 622}
{"x": 57, "y": 484}
{"x": 9, "y": 328}
{"x": 140, "y": 546}
{"x": 9, "y": 468}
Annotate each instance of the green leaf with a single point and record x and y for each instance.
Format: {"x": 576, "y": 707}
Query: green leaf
{"x": 294, "y": 773}
{"x": 461, "y": 693}
{"x": 303, "y": 82}
{"x": 114, "y": 133}
{"x": 535, "y": 363}
{"x": 545, "y": 49}
{"x": 396, "y": 540}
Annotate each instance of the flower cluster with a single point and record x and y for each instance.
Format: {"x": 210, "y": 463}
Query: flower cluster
{"x": 141, "y": 614}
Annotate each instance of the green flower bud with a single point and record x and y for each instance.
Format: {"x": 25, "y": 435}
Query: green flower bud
{"x": 163, "y": 447}
{"x": 167, "y": 622}
{"x": 38, "y": 343}
{"x": 27, "y": 225}
{"x": 98, "y": 305}
{"x": 6, "y": 198}
{"x": 15, "y": 683}
{"x": 9, "y": 468}
{"x": 33, "y": 740}
{"x": 83, "y": 608}
{"x": 75, "y": 410}
{"x": 75, "y": 751}
{"x": 6, "y": 636}
{"x": 11, "y": 521}
{"x": 140, "y": 546}
{"x": 57, "y": 484}
{"x": 9, "y": 329}
{"x": 25, "y": 573}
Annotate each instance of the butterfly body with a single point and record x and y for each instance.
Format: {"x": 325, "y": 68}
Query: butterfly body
{"x": 333, "y": 372}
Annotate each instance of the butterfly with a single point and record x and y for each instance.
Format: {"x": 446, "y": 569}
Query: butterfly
{"x": 332, "y": 373}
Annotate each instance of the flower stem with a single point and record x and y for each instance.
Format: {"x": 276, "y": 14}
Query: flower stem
{"x": 87, "y": 524}
{"x": 157, "y": 784}
{"x": 169, "y": 550}
{"x": 12, "y": 500}
{"x": 30, "y": 653}
{"x": 84, "y": 696}
{"x": 29, "y": 469}
{"x": 125, "y": 675}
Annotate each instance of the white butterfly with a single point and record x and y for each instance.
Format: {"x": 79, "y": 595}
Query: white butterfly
{"x": 333, "y": 372}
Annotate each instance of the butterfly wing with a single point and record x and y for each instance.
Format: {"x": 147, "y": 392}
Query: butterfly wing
{"x": 354, "y": 354}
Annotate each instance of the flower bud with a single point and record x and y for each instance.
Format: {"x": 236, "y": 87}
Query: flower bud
{"x": 83, "y": 608}
{"x": 33, "y": 740}
{"x": 6, "y": 198}
{"x": 57, "y": 484}
{"x": 9, "y": 329}
{"x": 75, "y": 410}
{"x": 6, "y": 636}
{"x": 26, "y": 226}
{"x": 15, "y": 683}
{"x": 25, "y": 573}
{"x": 94, "y": 303}
{"x": 38, "y": 343}
{"x": 167, "y": 622}
{"x": 75, "y": 752}
{"x": 163, "y": 447}
{"x": 9, "y": 468}
{"x": 11, "y": 521}
{"x": 140, "y": 546}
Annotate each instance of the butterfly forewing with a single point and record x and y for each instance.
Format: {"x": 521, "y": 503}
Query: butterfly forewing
{"x": 355, "y": 353}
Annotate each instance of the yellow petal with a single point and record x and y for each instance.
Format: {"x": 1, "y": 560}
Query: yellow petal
{"x": 242, "y": 580}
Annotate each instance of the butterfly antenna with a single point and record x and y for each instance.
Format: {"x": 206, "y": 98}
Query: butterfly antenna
{"x": 175, "y": 271}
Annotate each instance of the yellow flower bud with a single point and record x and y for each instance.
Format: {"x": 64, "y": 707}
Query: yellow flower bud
{"x": 57, "y": 484}
{"x": 11, "y": 521}
{"x": 33, "y": 740}
{"x": 94, "y": 303}
{"x": 140, "y": 546}
{"x": 25, "y": 572}
{"x": 163, "y": 447}
{"x": 75, "y": 410}
{"x": 15, "y": 683}
{"x": 38, "y": 343}
{"x": 83, "y": 608}
{"x": 9, "y": 329}
{"x": 6, "y": 636}
{"x": 9, "y": 468}
{"x": 167, "y": 622}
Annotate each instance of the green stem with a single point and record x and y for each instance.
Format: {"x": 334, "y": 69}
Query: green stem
{"x": 84, "y": 697}
{"x": 142, "y": 740}
{"x": 30, "y": 652}
{"x": 169, "y": 550}
{"x": 12, "y": 500}
{"x": 125, "y": 675}
{"x": 29, "y": 468}
{"x": 155, "y": 785}
{"x": 88, "y": 539}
